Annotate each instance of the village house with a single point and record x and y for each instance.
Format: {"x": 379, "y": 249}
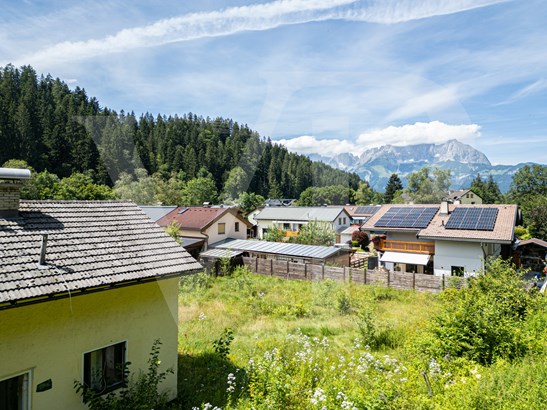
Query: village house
{"x": 464, "y": 197}
{"x": 207, "y": 224}
{"x": 85, "y": 286}
{"x": 442, "y": 240}
{"x": 360, "y": 214}
{"x": 291, "y": 219}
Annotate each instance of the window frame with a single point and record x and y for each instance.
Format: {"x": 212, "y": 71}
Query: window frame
{"x": 236, "y": 227}
{"x": 118, "y": 385}
{"x": 223, "y": 224}
{"x": 27, "y": 395}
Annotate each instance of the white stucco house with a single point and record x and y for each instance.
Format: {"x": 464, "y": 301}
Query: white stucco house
{"x": 291, "y": 219}
{"x": 442, "y": 240}
{"x": 207, "y": 224}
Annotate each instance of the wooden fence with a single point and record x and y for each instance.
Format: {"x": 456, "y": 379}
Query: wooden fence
{"x": 396, "y": 280}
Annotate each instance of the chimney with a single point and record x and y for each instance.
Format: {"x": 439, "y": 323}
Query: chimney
{"x": 11, "y": 181}
{"x": 444, "y": 208}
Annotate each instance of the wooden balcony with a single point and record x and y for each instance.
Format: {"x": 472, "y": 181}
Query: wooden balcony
{"x": 427, "y": 248}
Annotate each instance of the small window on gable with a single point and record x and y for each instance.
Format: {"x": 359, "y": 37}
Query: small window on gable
{"x": 221, "y": 228}
{"x": 104, "y": 368}
{"x": 236, "y": 228}
{"x": 344, "y": 220}
{"x": 467, "y": 195}
{"x": 15, "y": 393}
{"x": 471, "y": 195}
{"x": 339, "y": 221}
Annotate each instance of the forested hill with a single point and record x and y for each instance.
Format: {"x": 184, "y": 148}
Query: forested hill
{"x": 50, "y": 126}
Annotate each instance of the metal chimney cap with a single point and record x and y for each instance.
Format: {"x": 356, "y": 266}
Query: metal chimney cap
{"x": 14, "y": 173}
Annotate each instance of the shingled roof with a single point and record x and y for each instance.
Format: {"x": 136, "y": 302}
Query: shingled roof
{"x": 92, "y": 245}
{"x": 197, "y": 218}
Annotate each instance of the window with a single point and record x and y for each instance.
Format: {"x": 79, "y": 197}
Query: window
{"x": 237, "y": 227}
{"x": 286, "y": 227}
{"x": 457, "y": 271}
{"x": 339, "y": 221}
{"x": 104, "y": 368}
{"x": 221, "y": 228}
{"x": 344, "y": 220}
{"x": 14, "y": 393}
{"x": 467, "y": 195}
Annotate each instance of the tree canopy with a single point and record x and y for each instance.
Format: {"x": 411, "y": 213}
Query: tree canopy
{"x": 428, "y": 186}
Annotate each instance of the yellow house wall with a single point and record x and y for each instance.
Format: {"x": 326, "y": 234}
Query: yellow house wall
{"x": 50, "y": 338}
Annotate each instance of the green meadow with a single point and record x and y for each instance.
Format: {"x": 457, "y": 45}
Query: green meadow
{"x": 249, "y": 341}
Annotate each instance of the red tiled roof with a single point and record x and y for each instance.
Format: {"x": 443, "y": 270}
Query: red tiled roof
{"x": 196, "y": 217}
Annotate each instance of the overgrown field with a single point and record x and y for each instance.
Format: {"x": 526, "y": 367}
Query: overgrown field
{"x": 249, "y": 341}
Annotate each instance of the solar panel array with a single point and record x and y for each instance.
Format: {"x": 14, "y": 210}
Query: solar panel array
{"x": 477, "y": 219}
{"x": 407, "y": 217}
{"x": 366, "y": 210}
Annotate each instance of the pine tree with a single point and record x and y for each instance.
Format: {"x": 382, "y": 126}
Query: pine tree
{"x": 393, "y": 185}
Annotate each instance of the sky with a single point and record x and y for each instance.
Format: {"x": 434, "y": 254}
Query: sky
{"x": 319, "y": 76}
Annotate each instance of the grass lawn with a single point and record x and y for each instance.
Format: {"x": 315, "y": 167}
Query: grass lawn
{"x": 262, "y": 311}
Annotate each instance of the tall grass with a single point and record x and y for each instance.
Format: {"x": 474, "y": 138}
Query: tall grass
{"x": 313, "y": 345}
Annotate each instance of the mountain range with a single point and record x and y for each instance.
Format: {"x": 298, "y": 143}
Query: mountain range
{"x": 465, "y": 162}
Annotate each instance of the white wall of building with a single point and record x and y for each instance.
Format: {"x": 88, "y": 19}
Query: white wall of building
{"x": 229, "y": 220}
{"x": 468, "y": 255}
{"x": 342, "y": 221}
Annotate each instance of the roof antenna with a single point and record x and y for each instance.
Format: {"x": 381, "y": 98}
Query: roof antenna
{"x": 43, "y": 249}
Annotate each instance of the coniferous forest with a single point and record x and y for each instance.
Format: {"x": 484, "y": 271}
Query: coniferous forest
{"x": 52, "y": 127}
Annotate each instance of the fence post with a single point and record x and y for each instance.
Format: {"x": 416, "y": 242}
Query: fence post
{"x": 305, "y": 271}
{"x": 271, "y": 267}
{"x": 414, "y": 280}
{"x": 288, "y": 276}
{"x": 322, "y": 271}
{"x": 365, "y": 276}
{"x": 388, "y": 278}
{"x": 443, "y": 282}
{"x": 256, "y": 265}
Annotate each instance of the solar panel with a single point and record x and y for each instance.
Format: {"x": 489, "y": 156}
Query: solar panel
{"x": 476, "y": 219}
{"x": 407, "y": 217}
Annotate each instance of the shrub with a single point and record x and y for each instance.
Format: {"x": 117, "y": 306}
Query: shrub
{"x": 222, "y": 344}
{"x": 362, "y": 239}
{"x": 484, "y": 321}
{"x": 344, "y": 303}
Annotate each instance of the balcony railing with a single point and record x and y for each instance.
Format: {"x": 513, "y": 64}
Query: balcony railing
{"x": 427, "y": 248}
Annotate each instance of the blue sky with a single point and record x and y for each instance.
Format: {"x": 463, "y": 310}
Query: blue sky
{"x": 320, "y": 76}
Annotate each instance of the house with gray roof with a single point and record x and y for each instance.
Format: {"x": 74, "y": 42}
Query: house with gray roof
{"x": 291, "y": 219}
{"x": 85, "y": 286}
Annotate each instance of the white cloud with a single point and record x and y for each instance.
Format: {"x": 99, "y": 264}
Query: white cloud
{"x": 434, "y": 132}
{"x": 307, "y": 144}
{"x": 530, "y": 89}
{"x": 264, "y": 16}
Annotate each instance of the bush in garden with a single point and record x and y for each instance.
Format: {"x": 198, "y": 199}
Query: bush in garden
{"x": 362, "y": 239}
{"x": 484, "y": 321}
